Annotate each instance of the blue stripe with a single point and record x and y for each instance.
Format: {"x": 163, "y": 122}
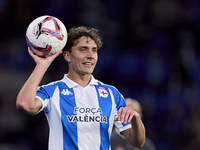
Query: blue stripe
{"x": 67, "y": 105}
{"x": 106, "y": 106}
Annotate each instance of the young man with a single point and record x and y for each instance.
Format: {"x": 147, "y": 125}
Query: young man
{"x": 80, "y": 110}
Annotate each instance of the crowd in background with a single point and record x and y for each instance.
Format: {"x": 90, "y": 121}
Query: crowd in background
{"x": 151, "y": 53}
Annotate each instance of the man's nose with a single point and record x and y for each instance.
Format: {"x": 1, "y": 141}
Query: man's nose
{"x": 90, "y": 55}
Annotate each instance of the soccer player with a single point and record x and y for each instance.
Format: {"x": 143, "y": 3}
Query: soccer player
{"x": 80, "y": 109}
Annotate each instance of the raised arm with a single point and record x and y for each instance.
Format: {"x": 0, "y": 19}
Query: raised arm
{"x": 135, "y": 135}
{"x": 26, "y": 99}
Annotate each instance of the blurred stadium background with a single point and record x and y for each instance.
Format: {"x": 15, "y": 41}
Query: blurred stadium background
{"x": 151, "y": 53}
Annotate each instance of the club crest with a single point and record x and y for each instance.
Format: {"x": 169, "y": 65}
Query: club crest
{"x": 103, "y": 92}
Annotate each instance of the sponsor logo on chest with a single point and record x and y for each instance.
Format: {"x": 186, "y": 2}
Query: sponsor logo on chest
{"x": 87, "y": 115}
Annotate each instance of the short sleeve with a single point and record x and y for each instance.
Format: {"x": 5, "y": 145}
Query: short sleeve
{"x": 44, "y": 95}
{"x": 120, "y": 102}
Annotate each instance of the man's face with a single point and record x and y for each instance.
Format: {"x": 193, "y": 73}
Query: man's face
{"x": 83, "y": 56}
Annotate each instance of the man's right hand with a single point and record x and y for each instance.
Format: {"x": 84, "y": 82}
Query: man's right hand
{"x": 41, "y": 60}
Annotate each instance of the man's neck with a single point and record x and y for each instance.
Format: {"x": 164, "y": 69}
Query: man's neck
{"x": 82, "y": 80}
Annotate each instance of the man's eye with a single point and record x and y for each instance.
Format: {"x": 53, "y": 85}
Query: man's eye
{"x": 82, "y": 49}
{"x": 95, "y": 50}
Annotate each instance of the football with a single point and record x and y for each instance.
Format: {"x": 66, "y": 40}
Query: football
{"x": 46, "y": 35}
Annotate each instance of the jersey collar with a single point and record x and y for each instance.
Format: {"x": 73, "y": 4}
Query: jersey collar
{"x": 72, "y": 84}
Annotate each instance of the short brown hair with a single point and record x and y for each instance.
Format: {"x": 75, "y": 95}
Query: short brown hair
{"x": 77, "y": 32}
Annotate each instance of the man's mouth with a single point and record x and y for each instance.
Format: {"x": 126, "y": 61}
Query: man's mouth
{"x": 88, "y": 64}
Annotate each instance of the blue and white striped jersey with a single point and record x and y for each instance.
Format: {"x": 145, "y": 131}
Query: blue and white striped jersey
{"x": 80, "y": 118}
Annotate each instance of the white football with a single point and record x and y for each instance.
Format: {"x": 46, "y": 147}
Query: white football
{"x": 46, "y": 35}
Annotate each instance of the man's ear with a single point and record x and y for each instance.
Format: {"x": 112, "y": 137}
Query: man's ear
{"x": 66, "y": 56}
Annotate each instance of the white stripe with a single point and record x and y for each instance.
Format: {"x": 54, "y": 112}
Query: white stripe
{"x": 87, "y": 131}
{"x": 55, "y": 125}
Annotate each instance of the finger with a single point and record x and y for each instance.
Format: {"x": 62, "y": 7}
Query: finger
{"x": 116, "y": 119}
{"x": 131, "y": 114}
{"x": 127, "y": 115}
{"x": 122, "y": 114}
{"x": 58, "y": 53}
{"x": 119, "y": 114}
{"x": 55, "y": 54}
{"x": 31, "y": 52}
